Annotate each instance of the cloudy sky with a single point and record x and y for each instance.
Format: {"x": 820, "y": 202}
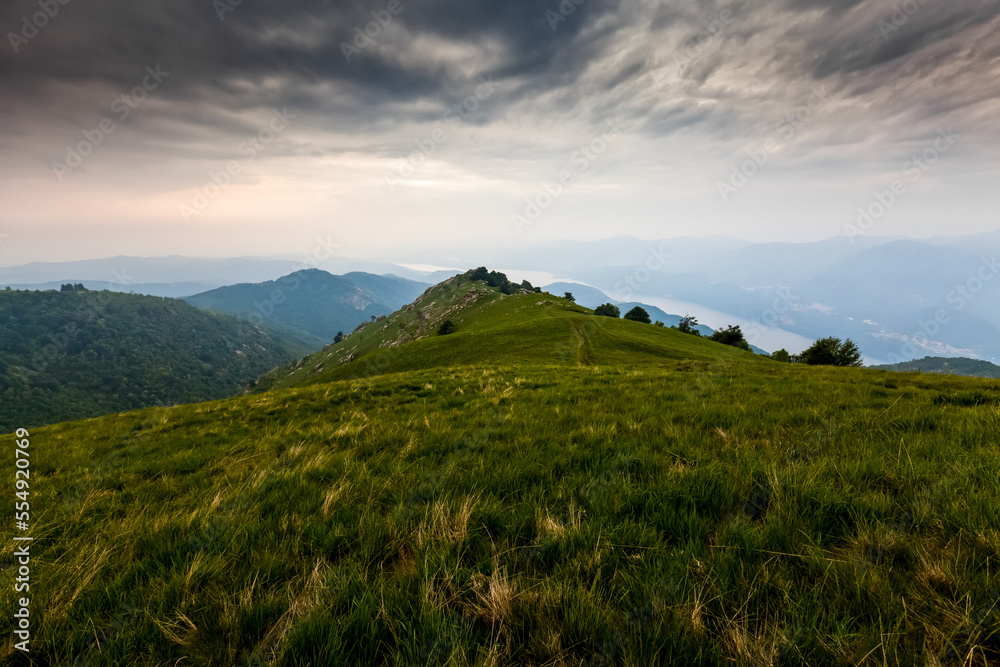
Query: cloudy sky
{"x": 260, "y": 127}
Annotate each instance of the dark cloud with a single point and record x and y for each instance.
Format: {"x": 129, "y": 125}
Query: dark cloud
{"x": 300, "y": 43}
{"x": 894, "y": 33}
{"x": 726, "y": 68}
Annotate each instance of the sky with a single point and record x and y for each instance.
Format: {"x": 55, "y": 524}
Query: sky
{"x": 239, "y": 127}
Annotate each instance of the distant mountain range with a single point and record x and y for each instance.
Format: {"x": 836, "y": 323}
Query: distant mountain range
{"x": 169, "y": 290}
{"x": 897, "y": 298}
{"x": 77, "y": 354}
{"x": 312, "y": 305}
{"x": 176, "y": 275}
{"x": 947, "y": 366}
{"x": 878, "y": 291}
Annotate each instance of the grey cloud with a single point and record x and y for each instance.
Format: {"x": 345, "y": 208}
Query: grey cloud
{"x": 266, "y": 54}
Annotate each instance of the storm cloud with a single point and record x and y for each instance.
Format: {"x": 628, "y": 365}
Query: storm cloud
{"x": 514, "y": 86}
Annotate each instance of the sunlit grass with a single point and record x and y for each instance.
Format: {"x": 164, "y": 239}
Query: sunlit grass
{"x": 541, "y": 487}
{"x": 748, "y": 513}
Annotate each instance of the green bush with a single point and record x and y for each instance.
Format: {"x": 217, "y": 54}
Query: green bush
{"x": 688, "y": 325}
{"x": 607, "y": 310}
{"x": 638, "y": 314}
{"x": 732, "y": 336}
{"x": 832, "y": 352}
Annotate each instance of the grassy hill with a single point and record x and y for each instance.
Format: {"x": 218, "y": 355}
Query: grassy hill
{"x": 311, "y": 304}
{"x": 948, "y": 366}
{"x": 541, "y": 487}
{"x": 70, "y": 355}
{"x": 592, "y": 298}
{"x": 491, "y": 327}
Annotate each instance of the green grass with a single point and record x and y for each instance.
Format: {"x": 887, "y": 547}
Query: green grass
{"x": 582, "y": 492}
{"x": 517, "y": 330}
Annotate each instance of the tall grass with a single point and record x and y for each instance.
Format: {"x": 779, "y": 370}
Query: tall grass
{"x": 702, "y": 511}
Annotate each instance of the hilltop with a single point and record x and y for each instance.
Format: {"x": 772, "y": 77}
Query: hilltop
{"x": 75, "y": 354}
{"x": 311, "y": 304}
{"x": 523, "y": 327}
{"x": 542, "y": 486}
{"x": 947, "y": 365}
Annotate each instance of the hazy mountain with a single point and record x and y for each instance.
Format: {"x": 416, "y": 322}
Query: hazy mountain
{"x": 390, "y": 290}
{"x": 879, "y": 291}
{"x": 149, "y": 274}
{"x": 312, "y": 304}
{"x": 124, "y": 270}
{"x": 947, "y": 366}
{"x": 171, "y": 290}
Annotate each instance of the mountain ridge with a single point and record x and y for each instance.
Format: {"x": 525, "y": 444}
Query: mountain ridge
{"x": 315, "y": 304}
{"x": 946, "y": 366}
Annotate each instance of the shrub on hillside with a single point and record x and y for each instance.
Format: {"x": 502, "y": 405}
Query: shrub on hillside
{"x": 731, "y": 335}
{"x": 688, "y": 325}
{"x": 500, "y": 281}
{"x": 446, "y": 328}
{"x": 608, "y": 310}
{"x": 638, "y": 314}
{"x": 832, "y": 352}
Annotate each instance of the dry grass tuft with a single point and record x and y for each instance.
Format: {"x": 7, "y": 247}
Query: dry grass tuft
{"x": 555, "y": 527}
{"x": 495, "y": 597}
{"x": 311, "y": 594}
{"x": 445, "y": 523}
{"x": 333, "y": 495}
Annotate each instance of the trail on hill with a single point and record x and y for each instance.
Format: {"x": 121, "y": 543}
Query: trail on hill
{"x": 584, "y": 352}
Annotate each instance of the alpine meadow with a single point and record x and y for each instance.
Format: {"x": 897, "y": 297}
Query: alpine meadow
{"x": 500, "y": 333}
{"x": 542, "y": 486}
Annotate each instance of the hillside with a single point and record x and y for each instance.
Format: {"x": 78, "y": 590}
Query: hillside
{"x": 591, "y": 297}
{"x": 491, "y": 327}
{"x": 70, "y": 355}
{"x": 948, "y": 366}
{"x": 540, "y": 487}
{"x": 311, "y": 304}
